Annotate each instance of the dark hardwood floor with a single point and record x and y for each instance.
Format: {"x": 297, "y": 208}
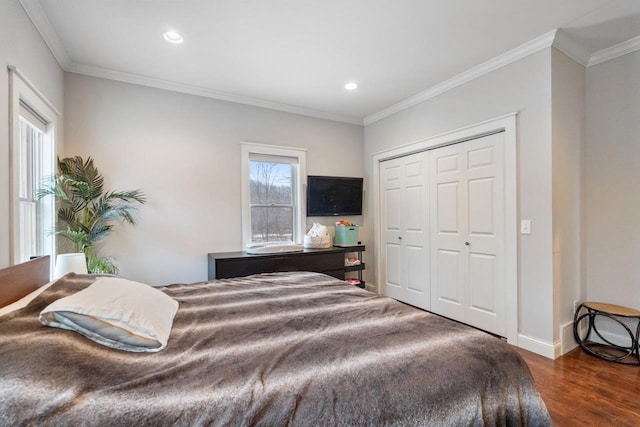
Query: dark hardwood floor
{"x": 582, "y": 390}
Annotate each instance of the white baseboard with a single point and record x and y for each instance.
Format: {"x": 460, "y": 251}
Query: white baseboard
{"x": 567, "y": 340}
{"x": 566, "y": 343}
{"x": 543, "y": 348}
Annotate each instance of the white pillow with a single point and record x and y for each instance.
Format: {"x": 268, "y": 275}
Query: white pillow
{"x": 117, "y": 313}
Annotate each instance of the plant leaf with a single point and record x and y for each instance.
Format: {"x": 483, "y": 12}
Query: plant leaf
{"x": 86, "y": 212}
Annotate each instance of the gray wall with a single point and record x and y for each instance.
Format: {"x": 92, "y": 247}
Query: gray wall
{"x": 184, "y": 152}
{"x": 21, "y": 46}
{"x": 613, "y": 181}
{"x": 523, "y": 87}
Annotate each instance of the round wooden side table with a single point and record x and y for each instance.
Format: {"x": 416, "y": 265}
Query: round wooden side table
{"x": 603, "y": 348}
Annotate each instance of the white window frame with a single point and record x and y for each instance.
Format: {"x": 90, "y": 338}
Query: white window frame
{"x": 21, "y": 90}
{"x": 247, "y": 149}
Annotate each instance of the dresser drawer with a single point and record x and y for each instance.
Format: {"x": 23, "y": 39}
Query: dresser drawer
{"x": 226, "y": 265}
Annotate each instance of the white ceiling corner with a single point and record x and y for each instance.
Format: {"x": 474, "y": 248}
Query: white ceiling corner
{"x": 43, "y": 25}
{"x": 565, "y": 44}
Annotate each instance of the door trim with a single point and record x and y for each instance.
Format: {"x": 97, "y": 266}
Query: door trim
{"x": 506, "y": 124}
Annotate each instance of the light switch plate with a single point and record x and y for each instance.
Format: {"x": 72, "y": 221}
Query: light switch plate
{"x": 525, "y": 226}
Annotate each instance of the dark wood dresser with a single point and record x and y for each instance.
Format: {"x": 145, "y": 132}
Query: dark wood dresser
{"x": 224, "y": 265}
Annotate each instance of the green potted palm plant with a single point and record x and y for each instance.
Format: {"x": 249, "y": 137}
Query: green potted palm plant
{"x": 86, "y": 211}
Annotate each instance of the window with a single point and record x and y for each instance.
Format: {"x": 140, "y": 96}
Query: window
{"x": 36, "y": 156}
{"x": 32, "y": 148}
{"x": 272, "y": 201}
{"x": 272, "y": 194}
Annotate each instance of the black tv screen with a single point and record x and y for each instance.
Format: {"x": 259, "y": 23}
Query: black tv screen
{"x": 332, "y": 195}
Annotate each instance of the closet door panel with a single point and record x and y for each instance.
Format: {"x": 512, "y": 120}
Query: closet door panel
{"x": 448, "y": 274}
{"x": 485, "y": 183}
{"x": 416, "y": 271}
{"x": 449, "y": 290}
{"x": 467, "y": 237}
{"x": 405, "y": 214}
{"x": 394, "y": 265}
{"x": 482, "y": 270}
{"x": 447, "y": 195}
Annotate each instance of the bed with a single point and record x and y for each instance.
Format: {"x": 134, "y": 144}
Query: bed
{"x": 271, "y": 349}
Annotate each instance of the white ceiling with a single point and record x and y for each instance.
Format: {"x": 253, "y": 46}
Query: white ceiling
{"x": 296, "y": 55}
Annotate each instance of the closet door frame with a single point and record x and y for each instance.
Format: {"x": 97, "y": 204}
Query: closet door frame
{"x": 506, "y": 124}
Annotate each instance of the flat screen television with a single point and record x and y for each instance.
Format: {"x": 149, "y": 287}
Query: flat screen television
{"x": 333, "y": 195}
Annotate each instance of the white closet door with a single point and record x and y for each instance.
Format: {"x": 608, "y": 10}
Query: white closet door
{"x": 467, "y": 232}
{"x": 404, "y": 193}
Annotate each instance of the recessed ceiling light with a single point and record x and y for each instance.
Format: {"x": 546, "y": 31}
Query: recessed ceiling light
{"x": 351, "y": 86}
{"x": 173, "y": 37}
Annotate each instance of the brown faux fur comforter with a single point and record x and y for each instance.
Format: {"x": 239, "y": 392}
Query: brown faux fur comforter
{"x": 271, "y": 349}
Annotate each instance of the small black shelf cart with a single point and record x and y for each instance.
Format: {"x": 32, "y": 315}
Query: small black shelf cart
{"x": 359, "y": 268}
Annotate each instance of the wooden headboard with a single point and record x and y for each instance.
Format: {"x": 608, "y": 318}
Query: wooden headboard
{"x": 19, "y": 280}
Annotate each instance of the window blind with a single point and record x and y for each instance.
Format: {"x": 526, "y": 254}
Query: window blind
{"x": 255, "y": 157}
{"x": 33, "y": 117}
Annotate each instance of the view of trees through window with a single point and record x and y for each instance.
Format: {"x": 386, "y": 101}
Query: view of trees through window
{"x": 272, "y": 201}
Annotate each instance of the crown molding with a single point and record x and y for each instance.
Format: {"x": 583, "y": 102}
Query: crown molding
{"x": 205, "y": 92}
{"x": 569, "y": 47}
{"x": 39, "y": 19}
{"x": 555, "y": 38}
{"x": 613, "y": 52}
{"x": 497, "y": 62}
